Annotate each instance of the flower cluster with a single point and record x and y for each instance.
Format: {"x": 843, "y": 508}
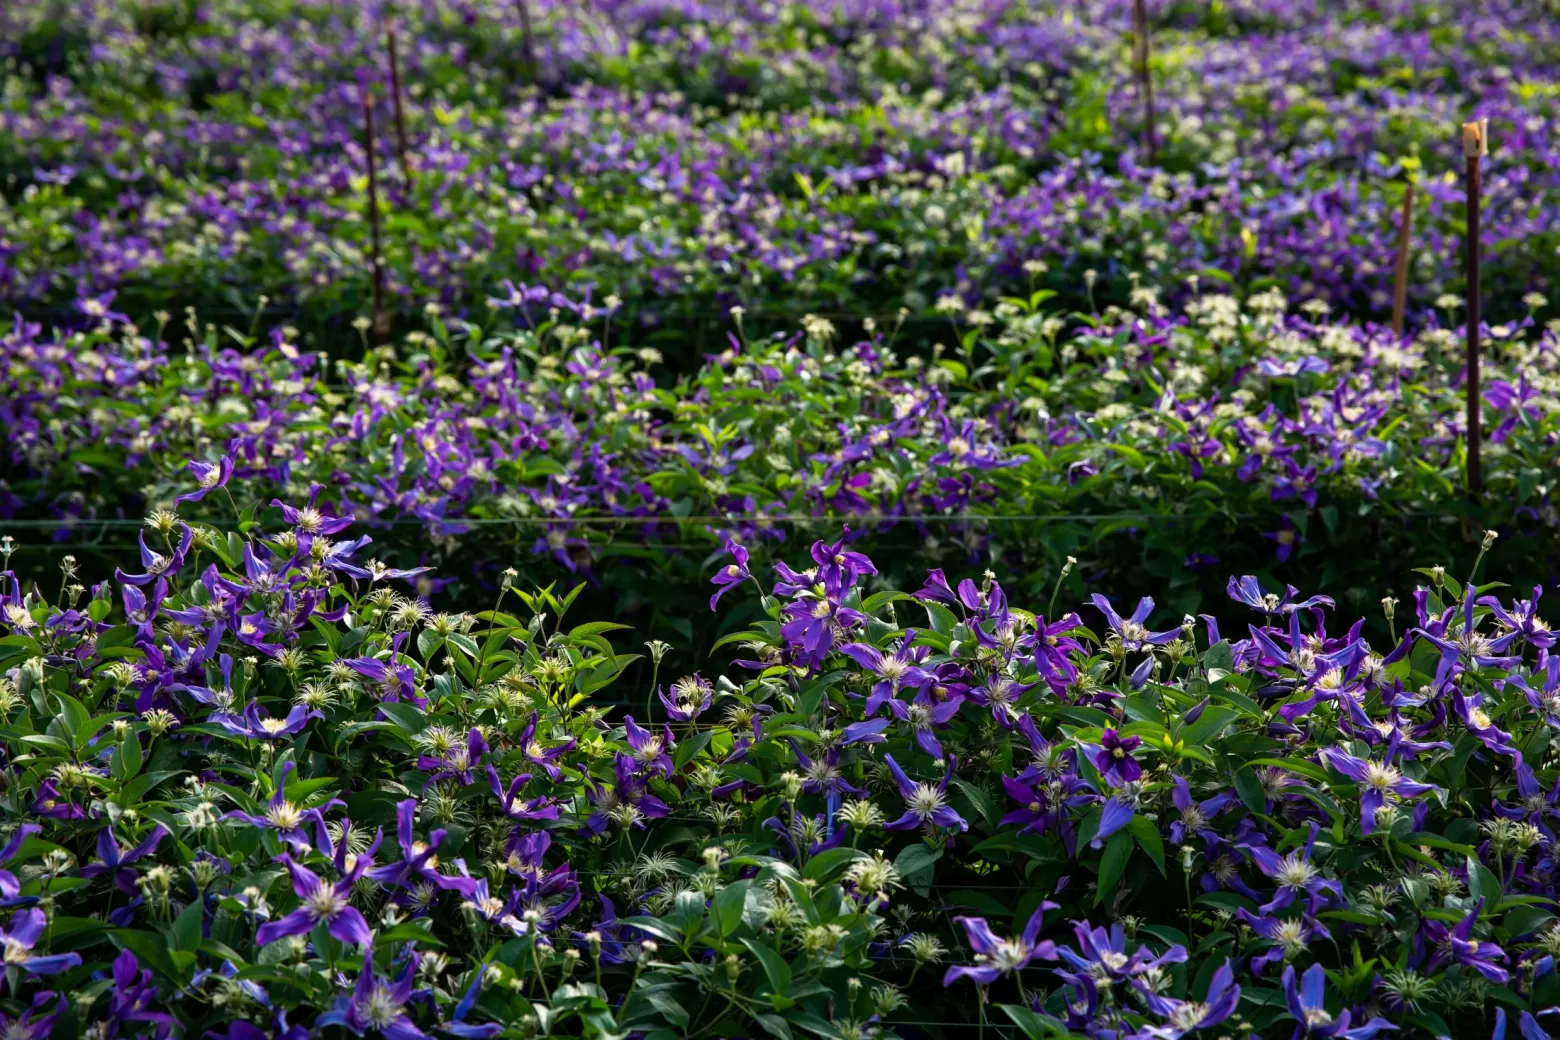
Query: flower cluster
{"x": 247, "y": 799}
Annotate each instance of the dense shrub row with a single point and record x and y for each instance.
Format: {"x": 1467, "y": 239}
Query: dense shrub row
{"x": 267, "y": 794}
{"x": 856, "y": 157}
{"x": 1160, "y": 450}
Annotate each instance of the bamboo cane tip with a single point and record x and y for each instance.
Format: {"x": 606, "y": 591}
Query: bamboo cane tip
{"x": 1475, "y": 138}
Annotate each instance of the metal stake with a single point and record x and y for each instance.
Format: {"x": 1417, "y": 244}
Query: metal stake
{"x": 1475, "y": 139}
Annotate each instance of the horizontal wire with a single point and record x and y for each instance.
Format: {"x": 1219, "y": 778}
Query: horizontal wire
{"x": 714, "y": 518}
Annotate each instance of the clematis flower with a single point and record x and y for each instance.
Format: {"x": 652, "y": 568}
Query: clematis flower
{"x": 926, "y": 803}
{"x": 51, "y": 804}
{"x": 116, "y": 862}
{"x": 1185, "y": 1016}
{"x": 627, "y": 802}
{"x": 208, "y": 477}
{"x": 22, "y": 934}
{"x": 1102, "y": 955}
{"x": 1456, "y": 945}
{"x": 324, "y": 902}
{"x": 375, "y": 1005}
{"x": 1535, "y": 806}
{"x": 691, "y": 698}
{"x": 731, "y": 575}
{"x": 283, "y": 816}
{"x": 1294, "y": 874}
{"x": 309, "y": 519}
{"x": 545, "y": 757}
{"x": 997, "y": 957}
{"x": 1289, "y": 935}
{"x": 1307, "y": 1005}
{"x": 1471, "y": 710}
{"x": 649, "y": 748}
{"x": 839, "y": 567}
{"x": 255, "y": 726}
{"x": 897, "y": 669}
{"x": 1195, "y": 816}
{"x": 35, "y": 1023}
{"x": 416, "y": 874}
{"x": 457, "y": 1024}
{"x": 1380, "y": 782}
{"x": 1114, "y": 758}
{"x": 539, "y": 808}
{"x": 1132, "y": 631}
{"x": 1249, "y": 591}
{"x": 458, "y": 761}
{"x": 156, "y": 564}
{"x": 396, "y": 681}
{"x": 10, "y": 887}
{"x": 1053, "y": 650}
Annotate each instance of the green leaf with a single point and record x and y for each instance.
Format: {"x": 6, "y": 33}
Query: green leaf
{"x": 727, "y": 906}
{"x": 1209, "y": 725}
{"x": 822, "y": 866}
{"x": 1147, "y": 836}
{"x": 669, "y": 1008}
{"x": 1117, "y": 851}
{"x": 691, "y": 747}
{"x": 1483, "y": 884}
{"x": 1250, "y": 789}
{"x": 775, "y": 967}
{"x": 186, "y": 928}
{"x": 407, "y": 717}
{"x": 1033, "y": 1025}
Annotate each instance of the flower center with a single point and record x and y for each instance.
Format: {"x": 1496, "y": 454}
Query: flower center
{"x": 273, "y": 726}
{"x": 926, "y": 800}
{"x": 1295, "y": 872}
{"x": 324, "y": 902}
{"x": 284, "y": 815}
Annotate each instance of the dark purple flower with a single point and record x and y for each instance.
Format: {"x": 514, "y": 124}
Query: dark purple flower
{"x": 208, "y": 477}
{"x": 731, "y": 575}
{"x": 10, "y": 888}
{"x": 1457, "y": 945}
{"x": 1294, "y": 874}
{"x": 323, "y": 902}
{"x": 650, "y": 749}
{"x": 1000, "y": 957}
{"x": 458, "y": 761}
{"x": 18, "y": 938}
{"x": 256, "y": 726}
{"x": 693, "y": 695}
{"x": 1132, "y": 631}
{"x": 417, "y": 874}
{"x": 1186, "y": 1016}
{"x": 1103, "y": 954}
{"x": 376, "y": 1005}
{"x": 1380, "y": 782}
{"x": 111, "y": 860}
{"x": 156, "y": 564}
{"x": 926, "y": 803}
{"x": 1308, "y": 1006}
{"x": 1114, "y": 758}
{"x": 895, "y": 669}
{"x": 540, "y": 808}
{"x": 537, "y": 755}
{"x": 310, "y": 519}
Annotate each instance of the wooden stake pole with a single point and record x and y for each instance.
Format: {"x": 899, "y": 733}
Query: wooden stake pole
{"x": 1475, "y": 139}
{"x": 527, "y": 39}
{"x": 395, "y": 90}
{"x": 381, "y": 326}
{"x": 1145, "y": 83}
{"x": 1400, "y": 277}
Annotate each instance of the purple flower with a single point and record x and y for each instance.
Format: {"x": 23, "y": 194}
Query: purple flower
{"x": 626, "y": 802}
{"x": 1053, "y": 649}
{"x": 310, "y": 520}
{"x": 396, "y": 681}
{"x": 1185, "y": 1016}
{"x": 926, "y": 803}
{"x": 1195, "y": 816}
{"x": 283, "y": 816}
{"x": 324, "y": 902}
{"x": 1308, "y": 1006}
{"x": 53, "y": 805}
{"x": 1289, "y": 936}
{"x": 417, "y": 875}
{"x": 895, "y": 669}
{"x": 540, "y": 808}
{"x": 458, "y": 761}
{"x": 156, "y": 564}
{"x": 1379, "y": 782}
{"x": 838, "y": 566}
{"x": 18, "y": 938}
{"x": 111, "y": 860}
{"x": 1457, "y": 945}
{"x": 1523, "y": 618}
{"x": 256, "y": 726}
{"x": 1287, "y": 537}
{"x": 545, "y": 757}
{"x": 1114, "y": 758}
{"x": 1000, "y": 957}
{"x": 10, "y": 888}
{"x": 1294, "y": 873}
{"x": 457, "y": 1025}
{"x": 649, "y": 748}
{"x": 1537, "y": 807}
{"x": 376, "y": 1004}
{"x": 1134, "y": 635}
{"x": 731, "y": 575}
{"x": 1248, "y": 590}
{"x": 208, "y": 477}
{"x": 1103, "y": 954}
{"x": 693, "y": 697}
{"x": 33, "y": 1024}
